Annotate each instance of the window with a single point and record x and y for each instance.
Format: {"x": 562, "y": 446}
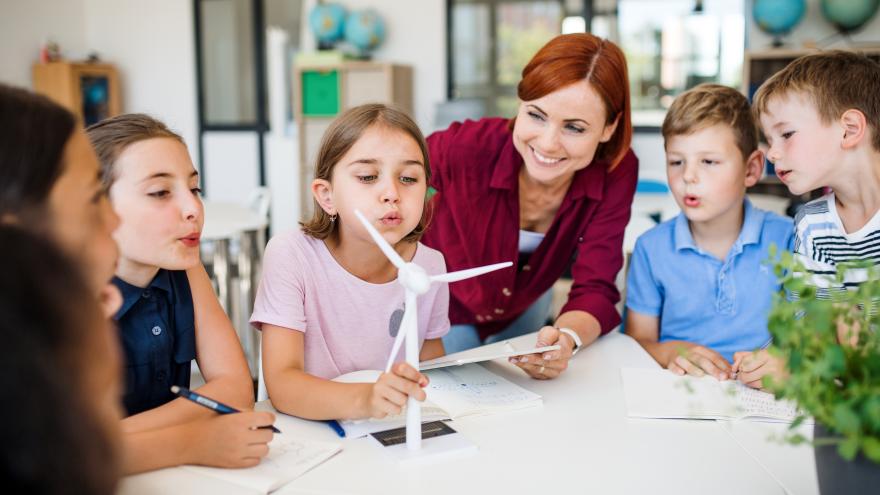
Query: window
{"x": 673, "y": 45}
{"x": 230, "y": 56}
{"x": 670, "y": 46}
{"x": 492, "y": 40}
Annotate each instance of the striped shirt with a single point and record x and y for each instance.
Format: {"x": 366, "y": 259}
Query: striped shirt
{"x": 821, "y": 244}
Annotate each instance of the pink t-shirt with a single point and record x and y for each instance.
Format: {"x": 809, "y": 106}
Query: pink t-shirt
{"x": 349, "y": 324}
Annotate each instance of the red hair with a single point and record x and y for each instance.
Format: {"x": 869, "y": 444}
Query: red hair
{"x": 571, "y": 58}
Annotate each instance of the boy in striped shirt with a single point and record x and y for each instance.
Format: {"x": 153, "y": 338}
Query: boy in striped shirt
{"x": 821, "y": 118}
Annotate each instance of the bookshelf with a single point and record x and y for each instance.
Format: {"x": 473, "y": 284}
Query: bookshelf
{"x": 89, "y": 90}
{"x": 323, "y": 91}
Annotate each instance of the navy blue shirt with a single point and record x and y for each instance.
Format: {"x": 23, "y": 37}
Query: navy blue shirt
{"x": 157, "y": 329}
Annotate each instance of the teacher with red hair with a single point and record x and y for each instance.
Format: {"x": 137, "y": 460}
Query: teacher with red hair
{"x": 551, "y": 188}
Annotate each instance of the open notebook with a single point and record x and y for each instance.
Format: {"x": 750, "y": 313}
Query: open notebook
{"x": 452, "y": 393}
{"x": 288, "y": 459}
{"x": 662, "y": 394}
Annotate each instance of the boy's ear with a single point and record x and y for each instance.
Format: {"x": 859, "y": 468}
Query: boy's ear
{"x": 754, "y": 168}
{"x": 855, "y": 126}
{"x": 322, "y": 190}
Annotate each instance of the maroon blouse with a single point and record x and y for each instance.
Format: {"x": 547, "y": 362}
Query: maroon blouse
{"x": 475, "y": 221}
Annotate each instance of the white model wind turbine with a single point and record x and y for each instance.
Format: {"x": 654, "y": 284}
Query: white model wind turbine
{"x": 415, "y": 282}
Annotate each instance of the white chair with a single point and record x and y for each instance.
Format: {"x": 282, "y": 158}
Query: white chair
{"x": 262, "y": 391}
{"x": 638, "y": 225}
{"x": 259, "y": 202}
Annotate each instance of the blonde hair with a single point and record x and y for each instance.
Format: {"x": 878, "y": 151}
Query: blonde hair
{"x": 706, "y": 105}
{"x": 834, "y": 81}
{"x": 340, "y": 137}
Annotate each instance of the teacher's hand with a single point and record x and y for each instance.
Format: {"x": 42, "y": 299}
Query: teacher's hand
{"x": 549, "y": 364}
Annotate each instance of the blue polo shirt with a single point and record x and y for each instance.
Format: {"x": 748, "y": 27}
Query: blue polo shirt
{"x": 157, "y": 329}
{"x": 720, "y": 304}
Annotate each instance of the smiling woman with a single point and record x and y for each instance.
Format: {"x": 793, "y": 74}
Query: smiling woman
{"x": 562, "y": 171}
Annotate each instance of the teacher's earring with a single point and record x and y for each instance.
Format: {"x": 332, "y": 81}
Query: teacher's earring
{"x": 333, "y": 218}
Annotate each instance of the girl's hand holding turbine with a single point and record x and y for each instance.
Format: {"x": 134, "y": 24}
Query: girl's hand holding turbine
{"x": 389, "y": 394}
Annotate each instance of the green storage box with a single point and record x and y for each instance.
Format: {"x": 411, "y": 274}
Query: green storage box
{"x": 320, "y": 93}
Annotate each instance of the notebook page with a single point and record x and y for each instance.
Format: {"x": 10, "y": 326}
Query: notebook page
{"x": 472, "y": 389}
{"x": 757, "y": 404}
{"x": 288, "y": 459}
{"x": 656, "y": 393}
{"x": 663, "y": 394}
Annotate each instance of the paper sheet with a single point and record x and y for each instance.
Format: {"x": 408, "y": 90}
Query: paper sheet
{"x": 663, "y": 394}
{"x": 483, "y": 353}
{"x": 288, "y": 459}
{"x": 472, "y": 389}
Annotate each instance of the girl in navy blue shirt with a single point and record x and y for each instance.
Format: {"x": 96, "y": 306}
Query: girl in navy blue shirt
{"x": 169, "y": 314}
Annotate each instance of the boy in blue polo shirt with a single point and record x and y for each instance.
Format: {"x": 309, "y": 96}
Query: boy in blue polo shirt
{"x": 698, "y": 290}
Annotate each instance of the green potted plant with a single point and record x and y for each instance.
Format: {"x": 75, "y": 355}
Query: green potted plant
{"x": 831, "y": 344}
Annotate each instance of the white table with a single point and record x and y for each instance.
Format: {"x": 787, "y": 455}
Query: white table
{"x": 580, "y": 441}
{"x": 225, "y": 219}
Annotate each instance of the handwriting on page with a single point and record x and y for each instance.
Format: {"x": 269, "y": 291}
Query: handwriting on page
{"x": 477, "y": 386}
{"x": 292, "y": 454}
{"x": 761, "y": 404}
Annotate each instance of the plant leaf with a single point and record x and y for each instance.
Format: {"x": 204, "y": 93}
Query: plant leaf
{"x": 871, "y": 447}
{"x": 849, "y": 448}
{"x": 846, "y": 420}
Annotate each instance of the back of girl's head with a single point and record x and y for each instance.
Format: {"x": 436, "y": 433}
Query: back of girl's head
{"x": 571, "y": 58}
{"x": 33, "y": 134}
{"x": 111, "y": 136}
{"x": 52, "y": 438}
{"x": 341, "y": 136}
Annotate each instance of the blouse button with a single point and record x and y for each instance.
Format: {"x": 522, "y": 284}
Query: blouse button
{"x": 499, "y": 311}
{"x": 157, "y": 330}
{"x": 580, "y": 239}
{"x": 146, "y": 294}
{"x": 506, "y": 291}
{"x": 480, "y": 318}
{"x": 488, "y": 317}
{"x": 526, "y": 268}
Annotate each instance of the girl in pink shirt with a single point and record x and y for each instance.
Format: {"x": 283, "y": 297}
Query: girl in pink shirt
{"x": 329, "y": 302}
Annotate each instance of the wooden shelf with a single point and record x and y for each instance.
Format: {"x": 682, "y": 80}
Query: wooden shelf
{"x": 759, "y": 65}
{"x": 323, "y": 91}
{"x": 89, "y": 90}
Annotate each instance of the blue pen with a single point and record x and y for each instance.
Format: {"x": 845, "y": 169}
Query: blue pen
{"x": 211, "y": 404}
{"x": 336, "y": 427}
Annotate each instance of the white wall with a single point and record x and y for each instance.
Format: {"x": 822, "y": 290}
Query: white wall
{"x": 812, "y": 28}
{"x": 25, "y": 24}
{"x": 153, "y": 44}
{"x": 648, "y": 146}
{"x": 415, "y": 35}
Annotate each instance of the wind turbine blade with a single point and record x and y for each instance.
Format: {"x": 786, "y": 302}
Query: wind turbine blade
{"x": 407, "y": 323}
{"x": 386, "y": 248}
{"x": 470, "y": 272}
{"x": 396, "y": 347}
